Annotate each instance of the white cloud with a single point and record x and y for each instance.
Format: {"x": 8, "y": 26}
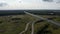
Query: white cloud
{"x": 3, "y": 4}
{"x": 30, "y": 4}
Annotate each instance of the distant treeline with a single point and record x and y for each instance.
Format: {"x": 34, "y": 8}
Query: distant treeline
{"x": 38, "y": 12}
{"x": 46, "y": 12}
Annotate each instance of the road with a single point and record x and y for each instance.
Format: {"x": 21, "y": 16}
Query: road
{"x": 56, "y": 23}
{"x": 32, "y": 32}
{"x": 27, "y": 25}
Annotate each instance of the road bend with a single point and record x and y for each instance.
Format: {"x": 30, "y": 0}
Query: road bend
{"x": 27, "y": 25}
{"x": 53, "y": 22}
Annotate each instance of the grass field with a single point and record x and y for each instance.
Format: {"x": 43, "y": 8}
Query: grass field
{"x": 14, "y": 24}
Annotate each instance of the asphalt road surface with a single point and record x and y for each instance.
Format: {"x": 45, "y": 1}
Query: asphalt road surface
{"x": 56, "y": 23}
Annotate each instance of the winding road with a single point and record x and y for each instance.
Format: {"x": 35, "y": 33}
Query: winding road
{"x": 27, "y": 25}
{"x": 56, "y": 23}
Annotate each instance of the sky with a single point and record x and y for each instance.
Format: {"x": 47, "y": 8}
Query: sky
{"x": 29, "y": 4}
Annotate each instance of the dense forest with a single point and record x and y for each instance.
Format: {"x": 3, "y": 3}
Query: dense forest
{"x": 38, "y": 12}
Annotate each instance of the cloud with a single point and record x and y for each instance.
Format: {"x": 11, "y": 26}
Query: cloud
{"x": 48, "y": 0}
{"x": 29, "y": 4}
{"x": 58, "y": 1}
{"x": 3, "y": 4}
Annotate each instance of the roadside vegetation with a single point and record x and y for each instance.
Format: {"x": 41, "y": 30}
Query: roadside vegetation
{"x": 14, "y": 24}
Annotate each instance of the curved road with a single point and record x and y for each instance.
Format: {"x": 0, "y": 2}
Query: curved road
{"x": 56, "y": 23}
{"x": 27, "y": 25}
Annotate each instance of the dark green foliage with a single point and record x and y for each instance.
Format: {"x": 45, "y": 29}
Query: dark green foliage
{"x": 16, "y": 18}
{"x": 21, "y": 12}
{"x": 50, "y": 18}
{"x": 44, "y": 30}
{"x": 1, "y": 21}
{"x": 55, "y": 27}
{"x": 1, "y": 31}
{"x": 39, "y": 21}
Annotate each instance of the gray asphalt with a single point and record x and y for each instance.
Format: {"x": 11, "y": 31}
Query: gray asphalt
{"x": 27, "y": 25}
{"x": 32, "y": 32}
{"x": 53, "y": 22}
